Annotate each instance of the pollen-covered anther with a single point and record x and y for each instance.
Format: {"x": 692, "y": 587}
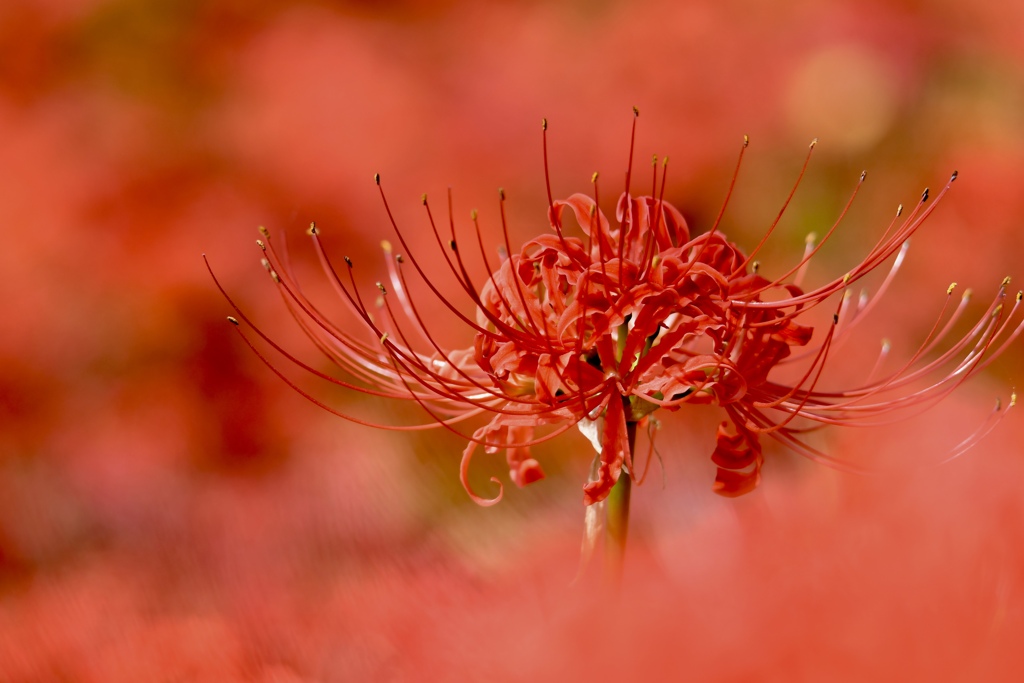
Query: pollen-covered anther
{"x": 636, "y": 112}
{"x": 399, "y": 258}
{"x": 846, "y": 278}
{"x": 380, "y": 286}
{"x": 746, "y": 140}
{"x": 501, "y": 193}
{"x": 472, "y": 216}
{"x": 863, "y": 175}
{"x": 755, "y": 266}
{"x": 384, "y": 338}
{"x": 593, "y": 178}
{"x": 813, "y": 143}
{"x": 953, "y": 177}
{"x": 924, "y": 195}
{"x": 949, "y": 290}
{"x": 376, "y": 178}
{"x": 233, "y": 320}
{"x": 264, "y": 231}
{"x": 261, "y": 245}
{"x": 348, "y": 261}
{"x": 899, "y": 211}
{"x": 544, "y": 124}
{"x": 1020, "y": 295}
{"x": 274, "y": 276}
{"x": 1006, "y": 281}
{"x": 266, "y": 264}
{"x": 1013, "y": 398}
{"x": 423, "y": 198}
{"x": 313, "y": 229}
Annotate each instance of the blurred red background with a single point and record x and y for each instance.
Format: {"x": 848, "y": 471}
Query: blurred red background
{"x": 169, "y": 510}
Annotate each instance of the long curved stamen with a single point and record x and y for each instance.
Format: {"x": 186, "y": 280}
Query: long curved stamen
{"x": 880, "y": 253}
{"x": 456, "y": 366}
{"x": 706, "y": 238}
{"x": 626, "y": 214}
{"x": 771, "y": 228}
{"x": 405, "y": 247}
{"x": 983, "y": 430}
{"x": 660, "y": 320}
{"x": 595, "y": 228}
{"x": 502, "y": 327}
{"x": 648, "y": 260}
{"x": 816, "y": 248}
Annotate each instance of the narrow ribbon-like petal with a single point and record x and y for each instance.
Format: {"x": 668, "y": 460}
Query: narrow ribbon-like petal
{"x": 614, "y": 445}
{"x": 467, "y": 456}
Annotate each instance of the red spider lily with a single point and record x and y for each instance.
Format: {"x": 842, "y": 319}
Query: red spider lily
{"x": 634, "y": 316}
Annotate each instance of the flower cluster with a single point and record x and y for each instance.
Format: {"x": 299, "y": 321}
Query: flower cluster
{"x": 602, "y": 323}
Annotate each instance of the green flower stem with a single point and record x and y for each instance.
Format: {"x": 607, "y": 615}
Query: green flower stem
{"x": 617, "y": 523}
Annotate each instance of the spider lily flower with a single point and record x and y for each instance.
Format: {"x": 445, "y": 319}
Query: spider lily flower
{"x": 598, "y": 325}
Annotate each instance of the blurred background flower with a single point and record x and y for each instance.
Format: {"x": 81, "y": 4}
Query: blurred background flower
{"x": 169, "y": 510}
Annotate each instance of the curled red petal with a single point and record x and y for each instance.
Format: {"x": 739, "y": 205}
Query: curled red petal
{"x": 614, "y": 445}
{"x": 739, "y": 460}
{"x": 467, "y": 456}
{"x": 733, "y": 484}
{"x": 581, "y": 206}
{"x": 547, "y": 383}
